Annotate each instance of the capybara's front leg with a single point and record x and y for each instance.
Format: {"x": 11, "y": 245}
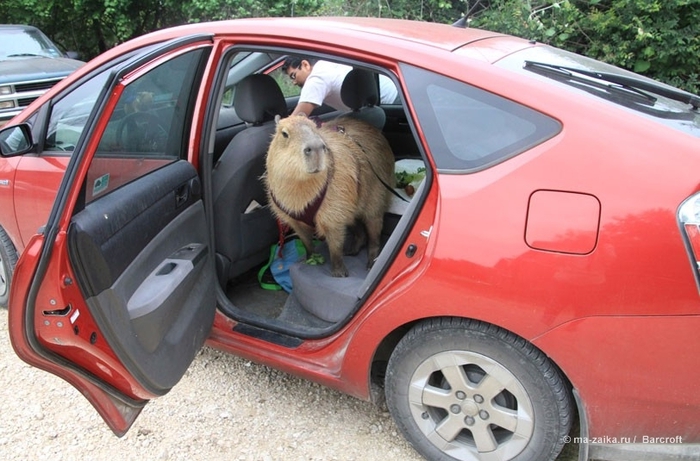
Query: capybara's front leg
{"x": 335, "y": 240}
{"x": 306, "y": 235}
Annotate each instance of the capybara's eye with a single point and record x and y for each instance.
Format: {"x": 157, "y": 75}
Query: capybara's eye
{"x": 285, "y": 134}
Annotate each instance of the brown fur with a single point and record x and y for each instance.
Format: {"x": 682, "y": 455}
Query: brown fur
{"x": 345, "y": 153}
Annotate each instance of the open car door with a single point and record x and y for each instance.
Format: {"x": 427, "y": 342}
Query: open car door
{"x": 117, "y": 295}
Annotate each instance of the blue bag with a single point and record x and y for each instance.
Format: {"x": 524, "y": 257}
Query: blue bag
{"x": 292, "y": 252}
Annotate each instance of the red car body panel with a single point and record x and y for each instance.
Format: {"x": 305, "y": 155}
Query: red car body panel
{"x": 539, "y": 245}
{"x": 644, "y": 355}
{"x": 111, "y": 410}
{"x": 36, "y": 183}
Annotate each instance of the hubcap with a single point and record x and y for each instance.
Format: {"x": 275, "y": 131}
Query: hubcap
{"x": 471, "y": 407}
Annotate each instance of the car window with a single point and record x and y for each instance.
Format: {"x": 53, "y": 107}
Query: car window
{"x": 23, "y": 42}
{"x": 288, "y": 87}
{"x": 388, "y": 93}
{"x": 69, "y": 115}
{"x": 243, "y": 63}
{"x": 149, "y": 126}
{"x": 468, "y": 128}
{"x": 642, "y": 95}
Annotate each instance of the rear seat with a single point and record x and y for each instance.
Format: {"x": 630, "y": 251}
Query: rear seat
{"x": 332, "y": 299}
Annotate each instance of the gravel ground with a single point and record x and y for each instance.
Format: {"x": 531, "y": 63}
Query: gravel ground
{"x": 225, "y": 408}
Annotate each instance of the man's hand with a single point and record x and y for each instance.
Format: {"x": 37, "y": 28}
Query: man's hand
{"x": 304, "y": 108}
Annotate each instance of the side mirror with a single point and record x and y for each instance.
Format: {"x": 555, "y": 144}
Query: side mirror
{"x": 15, "y": 140}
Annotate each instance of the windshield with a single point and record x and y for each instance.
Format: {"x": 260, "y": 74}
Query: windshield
{"x": 643, "y": 95}
{"x": 16, "y": 43}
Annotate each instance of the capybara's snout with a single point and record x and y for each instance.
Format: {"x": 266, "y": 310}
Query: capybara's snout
{"x": 315, "y": 154}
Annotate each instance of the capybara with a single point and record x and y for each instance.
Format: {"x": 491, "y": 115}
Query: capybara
{"x": 326, "y": 179}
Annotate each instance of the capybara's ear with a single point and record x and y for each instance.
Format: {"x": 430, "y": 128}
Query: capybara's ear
{"x": 277, "y": 119}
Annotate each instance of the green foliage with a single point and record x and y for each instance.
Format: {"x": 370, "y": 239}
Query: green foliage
{"x": 658, "y": 38}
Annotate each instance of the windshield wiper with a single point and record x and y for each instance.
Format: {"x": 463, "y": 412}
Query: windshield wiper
{"x": 629, "y": 83}
{"x": 23, "y": 55}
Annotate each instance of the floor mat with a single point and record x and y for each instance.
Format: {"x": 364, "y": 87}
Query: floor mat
{"x": 246, "y": 294}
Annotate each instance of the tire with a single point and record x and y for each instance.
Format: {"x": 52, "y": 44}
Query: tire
{"x": 465, "y": 390}
{"x": 8, "y": 259}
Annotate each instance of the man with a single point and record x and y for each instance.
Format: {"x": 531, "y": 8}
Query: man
{"x": 320, "y": 83}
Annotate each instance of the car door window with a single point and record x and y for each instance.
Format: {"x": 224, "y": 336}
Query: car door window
{"x": 69, "y": 115}
{"x": 149, "y": 126}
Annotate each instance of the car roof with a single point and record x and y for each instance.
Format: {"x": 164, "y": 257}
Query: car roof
{"x": 336, "y": 28}
{"x": 17, "y": 27}
{"x": 344, "y": 32}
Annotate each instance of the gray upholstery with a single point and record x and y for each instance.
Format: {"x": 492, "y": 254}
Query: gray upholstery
{"x": 243, "y": 231}
{"x": 258, "y": 99}
{"x": 329, "y": 298}
{"x": 360, "y": 92}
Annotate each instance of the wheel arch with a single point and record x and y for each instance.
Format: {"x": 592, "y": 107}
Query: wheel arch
{"x": 378, "y": 368}
{"x": 388, "y": 344}
{"x": 8, "y": 260}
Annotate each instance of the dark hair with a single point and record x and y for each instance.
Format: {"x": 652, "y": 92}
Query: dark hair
{"x": 294, "y": 61}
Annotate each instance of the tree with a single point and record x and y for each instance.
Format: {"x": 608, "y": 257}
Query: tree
{"x": 94, "y": 26}
{"x": 658, "y": 38}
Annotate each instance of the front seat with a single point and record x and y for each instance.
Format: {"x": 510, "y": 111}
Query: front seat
{"x": 244, "y": 227}
{"x": 360, "y": 92}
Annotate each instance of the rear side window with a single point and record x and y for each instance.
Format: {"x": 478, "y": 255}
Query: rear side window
{"x": 468, "y": 128}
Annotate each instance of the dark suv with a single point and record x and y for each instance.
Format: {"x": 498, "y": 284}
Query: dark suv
{"x": 30, "y": 64}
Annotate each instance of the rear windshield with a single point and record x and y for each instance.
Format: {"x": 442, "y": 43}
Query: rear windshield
{"x": 647, "y": 97}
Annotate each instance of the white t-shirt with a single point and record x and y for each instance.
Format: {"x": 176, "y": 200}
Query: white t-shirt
{"x": 387, "y": 90}
{"x": 323, "y": 85}
{"x": 325, "y": 80}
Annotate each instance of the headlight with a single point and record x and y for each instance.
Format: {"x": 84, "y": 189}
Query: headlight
{"x": 5, "y": 90}
{"x": 7, "y": 104}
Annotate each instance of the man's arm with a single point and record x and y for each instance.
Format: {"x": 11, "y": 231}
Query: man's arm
{"x": 304, "y": 108}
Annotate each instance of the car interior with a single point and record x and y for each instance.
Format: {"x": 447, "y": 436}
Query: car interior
{"x": 245, "y": 231}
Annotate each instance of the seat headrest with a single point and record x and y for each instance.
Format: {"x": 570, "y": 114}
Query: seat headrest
{"x": 258, "y": 99}
{"x": 359, "y": 89}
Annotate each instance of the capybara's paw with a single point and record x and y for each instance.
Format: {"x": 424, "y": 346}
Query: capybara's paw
{"x": 339, "y": 271}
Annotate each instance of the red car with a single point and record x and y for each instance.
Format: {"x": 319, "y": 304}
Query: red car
{"x": 540, "y": 273}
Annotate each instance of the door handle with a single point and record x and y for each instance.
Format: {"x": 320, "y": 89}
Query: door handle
{"x": 182, "y": 194}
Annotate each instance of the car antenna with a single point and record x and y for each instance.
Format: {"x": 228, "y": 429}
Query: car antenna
{"x": 463, "y": 22}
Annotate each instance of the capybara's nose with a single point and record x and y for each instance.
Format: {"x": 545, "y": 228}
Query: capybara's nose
{"x": 312, "y": 150}
{"x": 314, "y": 157}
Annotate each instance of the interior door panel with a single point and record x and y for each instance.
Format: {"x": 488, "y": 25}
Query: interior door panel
{"x": 140, "y": 255}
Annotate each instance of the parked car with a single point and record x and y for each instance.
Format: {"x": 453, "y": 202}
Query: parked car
{"x": 543, "y": 272}
{"x": 30, "y": 64}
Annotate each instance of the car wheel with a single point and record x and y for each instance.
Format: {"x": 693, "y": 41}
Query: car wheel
{"x": 8, "y": 258}
{"x": 466, "y": 390}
